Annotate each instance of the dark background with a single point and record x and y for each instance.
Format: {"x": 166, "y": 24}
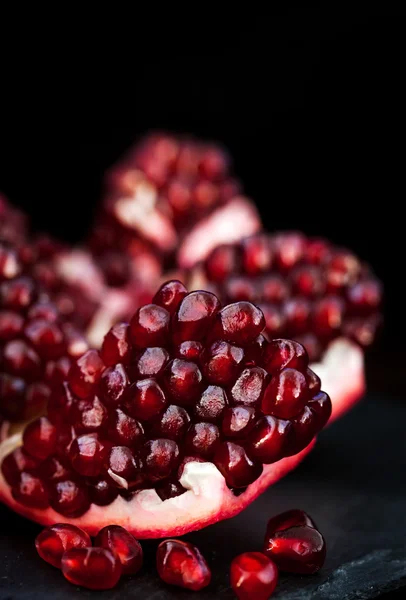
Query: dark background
{"x": 309, "y": 101}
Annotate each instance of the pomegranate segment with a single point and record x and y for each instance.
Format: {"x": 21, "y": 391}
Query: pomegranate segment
{"x": 92, "y": 568}
{"x": 253, "y": 576}
{"x": 180, "y": 563}
{"x": 124, "y": 545}
{"x": 53, "y": 541}
{"x": 300, "y": 549}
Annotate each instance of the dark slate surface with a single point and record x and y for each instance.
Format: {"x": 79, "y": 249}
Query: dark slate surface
{"x": 353, "y": 485}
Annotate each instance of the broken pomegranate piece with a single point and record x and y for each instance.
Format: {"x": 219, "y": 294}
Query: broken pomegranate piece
{"x": 53, "y": 541}
{"x": 204, "y": 433}
{"x": 92, "y": 568}
{"x": 180, "y": 563}
{"x": 253, "y": 576}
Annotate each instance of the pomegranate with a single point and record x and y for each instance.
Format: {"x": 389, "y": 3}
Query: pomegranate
{"x": 162, "y": 445}
{"x": 253, "y": 576}
{"x": 53, "y": 541}
{"x": 180, "y": 563}
{"x": 322, "y": 296}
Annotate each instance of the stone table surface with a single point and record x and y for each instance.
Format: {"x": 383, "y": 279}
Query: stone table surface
{"x": 353, "y": 484}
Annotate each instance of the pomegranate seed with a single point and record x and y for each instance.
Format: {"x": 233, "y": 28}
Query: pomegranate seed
{"x": 101, "y": 492}
{"x": 303, "y": 431}
{"x": 36, "y": 399}
{"x": 321, "y": 406}
{"x": 44, "y": 310}
{"x": 46, "y": 338}
{"x": 113, "y": 385}
{"x": 88, "y": 416}
{"x": 20, "y": 359}
{"x": 170, "y": 295}
{"x": 12, "y": 396}
{"x": 69, "y": 498}
{"x": 238, "y": 421}
{"x": 308, "y": 281}
{"x": 267, "y": 440}
{"x": 180, "y": 563}
{"x": 249, "y": 387}
{"x": 297, "y": 314}
{"x": 287, "y": 519}
{"x": 183, "y": 381}
{"x": 236, "y": 467}
{"x": 328, "y": 316}
{"x": 257, "y": 254}
{"x": 273, "y": 289}
{"x": 172, "y": 424}
{"x": 120, "y": 542}
{"x": 85, "y": 374}
{"x": 161, "y": 458}
{"x": 202, "y": 439}
{"x": 238, "y": 288}
{"x": 312, "y": 344}
{"x": 289, "y": 248}
{"x": 274, "y": 319}
{"x": 299, "y": 549}
{"x": 40, "y": 438}
{"x": 253, "y": 576}
{"x": 239, "y": 323}
{"x": 279, "y": 354}
{"x": 317, "y": 252}
{"x": 222, "y": 262}
{"x": 17, "y": 294}
{"x": 56, "y": 371}
{"x": 145, "y": 399}
{"x": 53, "y": 541}
{"x": 9, "y": 264}
{"x": 150, "y": 326}
{"x": 151, "y": 362}
{"x": 87, "y": 454}
{"x": 189, "y": 350}
{"x": 124, "y": 468}
{"x": 211, "y": 405}
{"x": 116, "y": 346}
{"x": 30, "y": 491}
{"x": 11, "y": 325}
{"x": 169, "y": 489}
{"x": 194, "y": 316}
{"x": 92, "y": 568}
{"x": 365, "y": 296}
{"x": 15, "y": 463}
{"x": 60, "y": 404}
{"x": 123, "y": 430}
{"x": 54, "y": 468}
{"x": 221, "y": 363}
{"x": 313, "y": 381}
{"x": 286, "y": 394}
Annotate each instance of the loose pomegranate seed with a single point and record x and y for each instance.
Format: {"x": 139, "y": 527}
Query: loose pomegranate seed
{"x": 169, "y": 489}
{"x": 321, "y": 406}
{"x": 53, "y": 541}
{"x": 40, "y": 438}
{"x": 101, "y": 491}
{"x": 113, "y": 385}
{"x": 30, "y": 491}
{"x": 145, "y": 399}
{"x": 183, "y": 381}
{"x": 221, "y": 363}
{"x": 180, "y": 563}
{"x": 151, "y": 362}
{"x": 189, "y": 350}
{"x": 124, "y": 468}
{"x": 253, "y": 576}
{"x": 69, "y": 498}
{"x": 15, "y": 463}
{"x": 85, "y": 374}
{"x": 286, "y": 394}
{"x": 234, "y": 464}
{"x": 279, "y": 354}
{"x": 150, "y": 326}
{"x": 161, "y": 458}
{"x": 239, "y": 323}
{"x": 116, "y": 346}
{"x": 92, "y": 568}
{"x": 87, "y": 454}
{"x": 172, "y": 424}
{"x": 120, "y": 542}
{"x": 211, "y": 405}
{"x": 249, "y": 387}
{"x": 123, "y": 430}
{"x": 202, "y": 439}
{"x": 195, "y": 316}
{"x": 287, "y": 519}
{"x": 170, "y": 295}
{"x": 267, "y": 441}
{"x": 238, "y": 421}
{"x": 299, "y": 549}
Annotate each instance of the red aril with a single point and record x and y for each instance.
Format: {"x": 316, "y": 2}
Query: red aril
{"x": 180, "y": 563}
{"x": 300, "y": 549}
{"x": 92, "y": 568}
{"x": 53, "y": 541}
{"x": 124, "y": 545}
{"x": 253, "y": 576}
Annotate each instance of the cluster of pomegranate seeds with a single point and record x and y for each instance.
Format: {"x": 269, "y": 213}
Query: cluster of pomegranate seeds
{"x": 161, "y": 189}
{"x": 180, "y": 563}
{"x": 308, "y": 289}
{"x": 37, "y": 344}
{"x": 115, "y": 552}
{"x": 132, "y": 415}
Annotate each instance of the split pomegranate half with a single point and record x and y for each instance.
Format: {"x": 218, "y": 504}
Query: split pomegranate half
{"x": 183, "y": 418}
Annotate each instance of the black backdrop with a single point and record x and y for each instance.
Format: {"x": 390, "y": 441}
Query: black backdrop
{"x": 310, "y": 104}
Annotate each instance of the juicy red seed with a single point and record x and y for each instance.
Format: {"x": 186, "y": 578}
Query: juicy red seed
{"x": 222, "y": 262}
{"x": 313, "y": 381}
{"x": 362, "y": 330}
{"x": 321, "y": 406}
{"x": 312, "y": 345}
{"x": 202, "y": 439}
{"x": 47, "y": 338}
{"x": 257, "y": 254}
{"x": 183, "y": 381}
{"x": 304, "y": 428}
{"x": 44, "y": 310}
{"x": 239, "y": 323}
{"x": 113, "y": 385}
{"x": 299, "y": 550}
{"x": 101, "y": 491}
{"x": 279, "y": 354}
{"x": 85, "y": 374}
{"x": 274, "y": 319}
{"x": 36, "y": 399}
{"x": 169, "y": 489}
{"x": 124, "y": 468}
{"x": 236, "y": 467}
{"x": 238, "y": 421}
{"x": 273, "y": 289}
{"x": 60, "y": 404}
{"x": 53, "y": 541}
{"x": 221, "y": 362}
{"x": 253, "y": 576}
{"x": 344, "y": 268}
{"x": 30, "y": 491}
{"x": 69, "y": 498}
{"x": 54, "y": 468}
{"x": 170, "y": 295}
{"x": 289, "y": 248}
{"x": 123, "y": 430}
{"x": 40, "y": 438}
{"x": 87, "y": 454}
{"x": 180, "y": 563}
{"x": 56, "y": 371}
{"x": 120, "y": 542}
{"x": 65, "y": 437}
{"x": 20, "y": 359}
{"x": 286, "y": 394}
{"x": 151, "y": 362}
{"x": 267, "y": 440}
{"x": 17, "y": 294}
{"x": 76, "y": 343}
{"x": 317, "y": 252}
{"x": 308, "y": 281}
{"x": 365, "y": 296}
{"x": 116, "y": 346}
{"x": 161, "y": 458}
{"x": 172, "y": 424}
{"x": 211, "y": 405}
{"x": 11, "y": 325}
{"x": 189, "y": 350}
{"x": 297, "y": 313}
{"x": 195, "y": 316}
{"x": 15, "y": 463}
{"x": 239, "y": 287}
{"x": 92, "y": 568}
{"x": 328, "y": 314}
{"x": 287, "y": 519}
{"x": 145, "y": 399}
{"x": 249, "y": 387}
{"x": 255, "y": 351}
{"x": 88, "y": 415}
{"x": 9, "y": 264}
{"x": 150, "y": 326}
